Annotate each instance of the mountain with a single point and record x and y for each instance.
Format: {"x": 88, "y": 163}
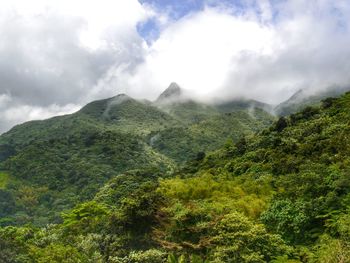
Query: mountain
{"x": 278, "y": 195}
{"x": 126, "y": 114}
{"x": 242, "y": 104}
{"x": 51, "y": 165}
{"x": 182, "y": 143}
{"x": 171, "y": 94}
{"x": 304, "y": 98}
{"x": 174, "y": 101}
{"x": 286, "y": 187}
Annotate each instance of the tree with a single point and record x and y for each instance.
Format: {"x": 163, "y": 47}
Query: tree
{"x": 7, "y": 203}
{"x": 237, "y": 239}
{"x": 281, "y": 124}
{"x": 86, "y": 217}
{"x": 57, "y": 253}
{"x": 241, "y": 145}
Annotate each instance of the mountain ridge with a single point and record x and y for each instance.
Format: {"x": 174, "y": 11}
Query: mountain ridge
{"x": 280, "y": 194}
{"x": 73, "y": 155}
{"x": 172, "y": 93}
{"x": 305, "y": 97}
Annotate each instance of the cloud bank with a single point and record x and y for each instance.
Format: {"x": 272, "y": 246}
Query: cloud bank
{"x": 56, "y": 56}
{"x": 266, "y": 52}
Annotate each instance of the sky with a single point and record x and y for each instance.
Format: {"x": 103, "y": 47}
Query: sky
{"x": 56, "y": 56}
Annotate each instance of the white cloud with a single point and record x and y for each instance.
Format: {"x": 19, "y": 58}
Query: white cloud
{"x": 53, "y": 52}
{"x": 266, "y": 53}
{"x": 13, "y": 112}
{"x": 196, "y": 52}
{"x": 103, "y": 20}
{"x": 57, "y": 55}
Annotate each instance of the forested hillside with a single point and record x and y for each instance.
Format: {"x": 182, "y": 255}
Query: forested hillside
{"x": 307, "y": 97}
{"x": 49, "y": 166}
{"x": 280, "y": 195}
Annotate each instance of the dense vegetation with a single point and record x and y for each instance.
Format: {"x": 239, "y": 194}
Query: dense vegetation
{"x": 49, "y": 166}
{"x": 307, "y": 97}
{"x": 280, "y": 195}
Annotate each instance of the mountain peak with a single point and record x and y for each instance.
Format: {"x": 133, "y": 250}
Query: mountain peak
{"x": 173, "y": 92}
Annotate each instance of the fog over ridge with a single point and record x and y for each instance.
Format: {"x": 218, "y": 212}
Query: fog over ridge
{"x": 57, "y": 56}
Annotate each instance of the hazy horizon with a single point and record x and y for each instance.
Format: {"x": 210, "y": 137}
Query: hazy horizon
{"x": 56, "y": 56}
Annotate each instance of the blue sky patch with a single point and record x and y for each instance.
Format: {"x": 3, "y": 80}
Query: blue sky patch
{"x": 177, "y": 9}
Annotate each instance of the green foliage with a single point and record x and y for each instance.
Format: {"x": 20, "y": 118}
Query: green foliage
{"x": 288, "y": 218}
{"x": 306, "y": 162}
{"x": 222, "y": 194}
{"x": 148, "y": 256}
{"x": 281, "y": 195}
{"x": 73, "y": 169}
{"x": 14, "y": 245}
{"x": 284, "y": 259}
{"x": 303, "y": 98}
{"x": 139, "y": 207}
{"x": 3, "y": 180}
{"x": 122, "y": 185}
{"x": 7, "y": 203}
{"x": 237, "y": 239}
{"x": 72, "y": 156}
{"x": 57, "y": 253}
{"x": 281, "y": 124}
{"x": 85, "y": 218}
{"x": 331, "y": 250}
{"x": 172, "y": 258}
{"x": 184, "y": 142}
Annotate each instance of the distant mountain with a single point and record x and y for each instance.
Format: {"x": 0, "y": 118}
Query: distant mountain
{"x": 208, "y": 132}
{"x": 174, "y": 101}
{"x": 242, "y": 104}
{"x": 303, "y": 98}
{"x": 127, "y": 114}
{"x": 280, "y": 195}
{"x": 172, "y": 94}
{"x": 291, "y": 179}
{"x": 69, "y": 157}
